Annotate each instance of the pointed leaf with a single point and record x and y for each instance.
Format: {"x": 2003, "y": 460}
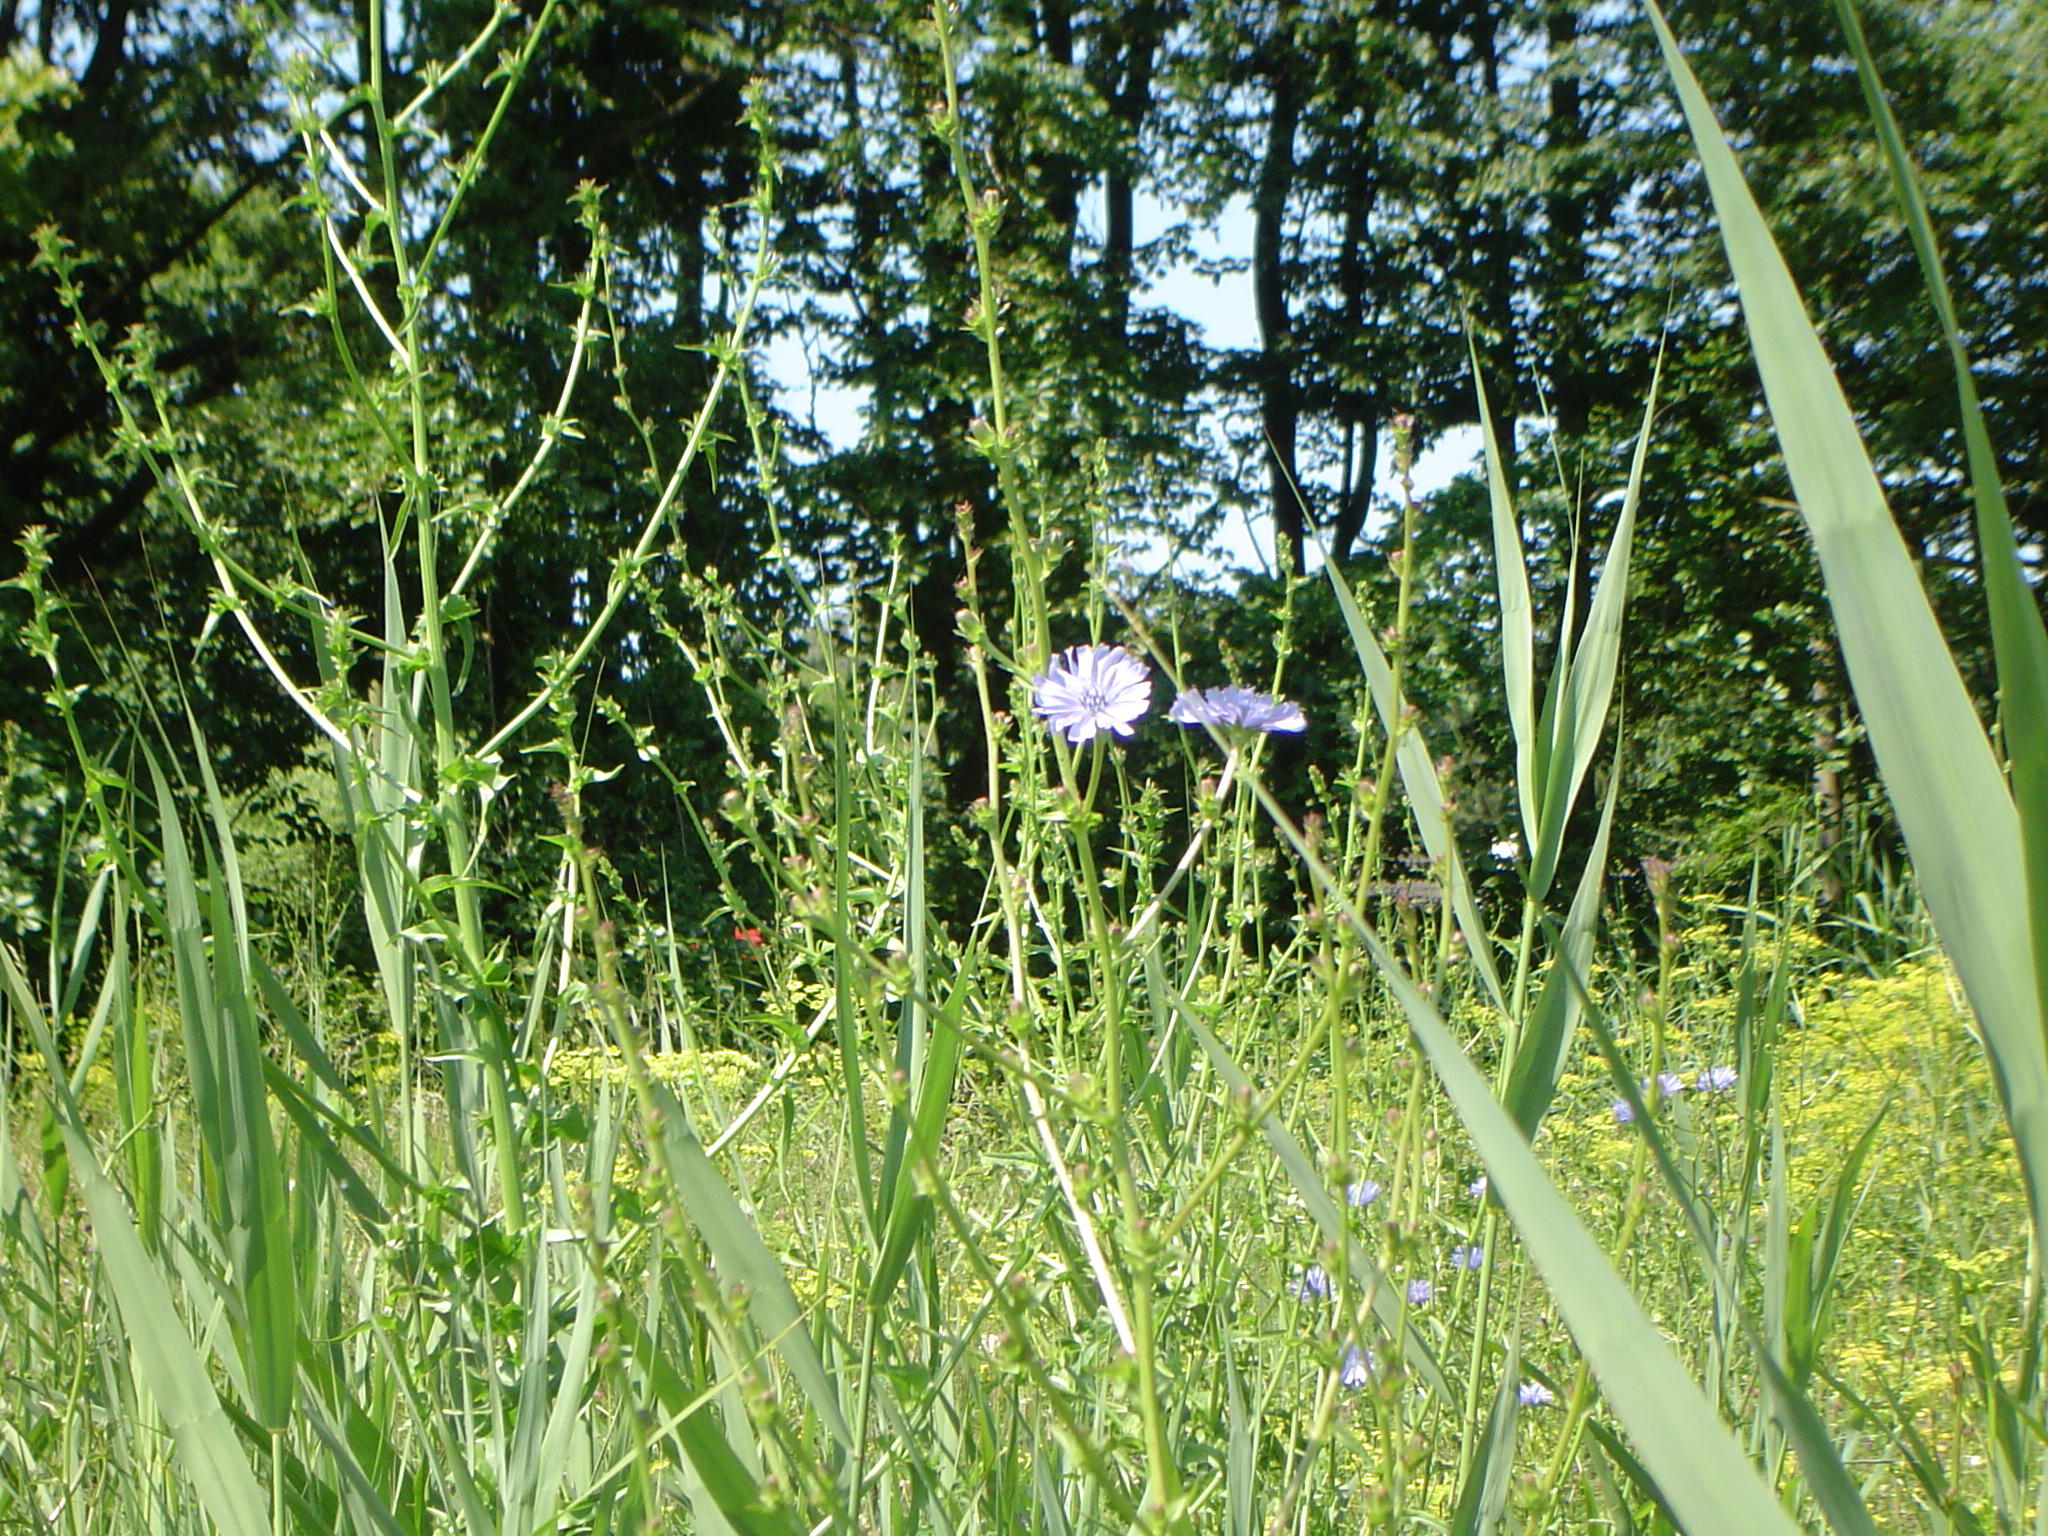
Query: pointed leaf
{"x": 1517, "y": 624}
{"x": 1420, "y": 783}
{"x": 1953, "y": 806}
{"x": 1546, "y": 1040}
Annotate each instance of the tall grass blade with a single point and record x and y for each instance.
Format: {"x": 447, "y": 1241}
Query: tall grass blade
{"x": 371, "y": 1512}
{"x": 208, "y": 1448}
{"x": 1420, "y": 783}
{"x": 1545, "y": 1043}
{"x": 1814, "y": 1257}
{"x": 2018, "y": 637}
{"x": 927, "y": 1051}
{"x": 730, "y": 1490}
{"x": 744, "y": 1259}
{"x": 1587, "y": 687}
{"x": 257, "y": 1189}
{"x": 1696, "y": 1463}
{"x": 1953, "y": 804}
{"x": 244, "y": 1183}
{"x": 1240, "y": 1458}
{"x": 1484, "y": 1498}
{"x": 1517, "y": 622}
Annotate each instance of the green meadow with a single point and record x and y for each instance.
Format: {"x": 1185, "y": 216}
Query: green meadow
{"x": 1064, "y": 1077}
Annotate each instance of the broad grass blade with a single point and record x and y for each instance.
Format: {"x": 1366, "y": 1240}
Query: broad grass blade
{"x": 1702, "y": 1472}
{"x": 208, "y": 1447}
{"x": 2018, "y": 638}
{"x": 1953, "y": 805}
{"x": 1587, "y": 687}
{"x": 1484, "y": 1498}
{"x": 1546, "y": 1040}
{"x": 1419, "y": 781}
{"x": 246, "y": 1190}
{"x": 743, "y": 1258}
{"x": 1517, "y": 623}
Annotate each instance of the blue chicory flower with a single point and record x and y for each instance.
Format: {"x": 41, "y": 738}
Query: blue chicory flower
{"x": 1715, "y": 1079}
{"x": 1237, "y": 709}
{"x": 1091, "y": 688}
{"x": 1364, "y": 1192}
{"x": 1463, "y": 1257}
{"x": 1623, "y": 1114}
{"x": 1534, "y": 1394}
{"x": 1314, "y": 1282}
{"x": 1356, "y": 1369}
{"x": 1419, "y": 1292}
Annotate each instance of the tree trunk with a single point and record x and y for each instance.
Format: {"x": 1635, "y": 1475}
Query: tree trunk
{"x": 1357, "y": 408}
{"x": 1129, "y": 102}
{"x": 1564, "y": 210}
{"x": 1279, "y": 409}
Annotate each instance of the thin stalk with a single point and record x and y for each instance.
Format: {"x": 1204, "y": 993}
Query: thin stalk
{"x": 984, "y": 212}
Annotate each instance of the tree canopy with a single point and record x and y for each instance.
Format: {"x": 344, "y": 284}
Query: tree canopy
{"x": 1425, "y": 185}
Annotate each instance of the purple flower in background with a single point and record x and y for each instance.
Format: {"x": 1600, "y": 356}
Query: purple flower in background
{"x": 1419, "y": 1292}
{"x": 1715, "y": 1079}
{"x": 1237, "y": 709}
{"x": 1314, "y": 1282}
{"x": 1623, "y": 1115}
{"x": 1669, "y": 1084}
{"x": 1535, "y": 1395}
{"x": 1364, "y": 1192}
{"x": 1463, "y": 1257}
{"x": 1477, "y": 1188}
{"x": 1356, "y": 1369}
{"x": 1091, "y": 688}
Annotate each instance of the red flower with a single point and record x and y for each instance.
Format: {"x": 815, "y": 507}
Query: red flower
{"x": 748, "y": 936}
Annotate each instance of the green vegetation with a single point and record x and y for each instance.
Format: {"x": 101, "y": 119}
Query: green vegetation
{"x": 1060, "y": 1084}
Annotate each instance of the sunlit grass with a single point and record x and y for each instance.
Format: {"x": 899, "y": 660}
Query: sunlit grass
{"x": 1220, "y": 1170}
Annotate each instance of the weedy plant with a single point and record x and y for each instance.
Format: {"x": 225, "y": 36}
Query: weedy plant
{"x": 1123, "y": 1204}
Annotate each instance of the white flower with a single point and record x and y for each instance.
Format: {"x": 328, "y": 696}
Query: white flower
{"x": 1507, "y": 850}
{"x": 1091, "y": 688}
{"x": 1237, "y": 709}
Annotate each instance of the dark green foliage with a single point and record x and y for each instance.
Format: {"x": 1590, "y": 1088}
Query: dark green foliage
{"x": 1407, "y": 172}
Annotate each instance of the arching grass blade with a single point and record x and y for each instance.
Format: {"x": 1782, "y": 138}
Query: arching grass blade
{"x": 1953, "y": 805}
